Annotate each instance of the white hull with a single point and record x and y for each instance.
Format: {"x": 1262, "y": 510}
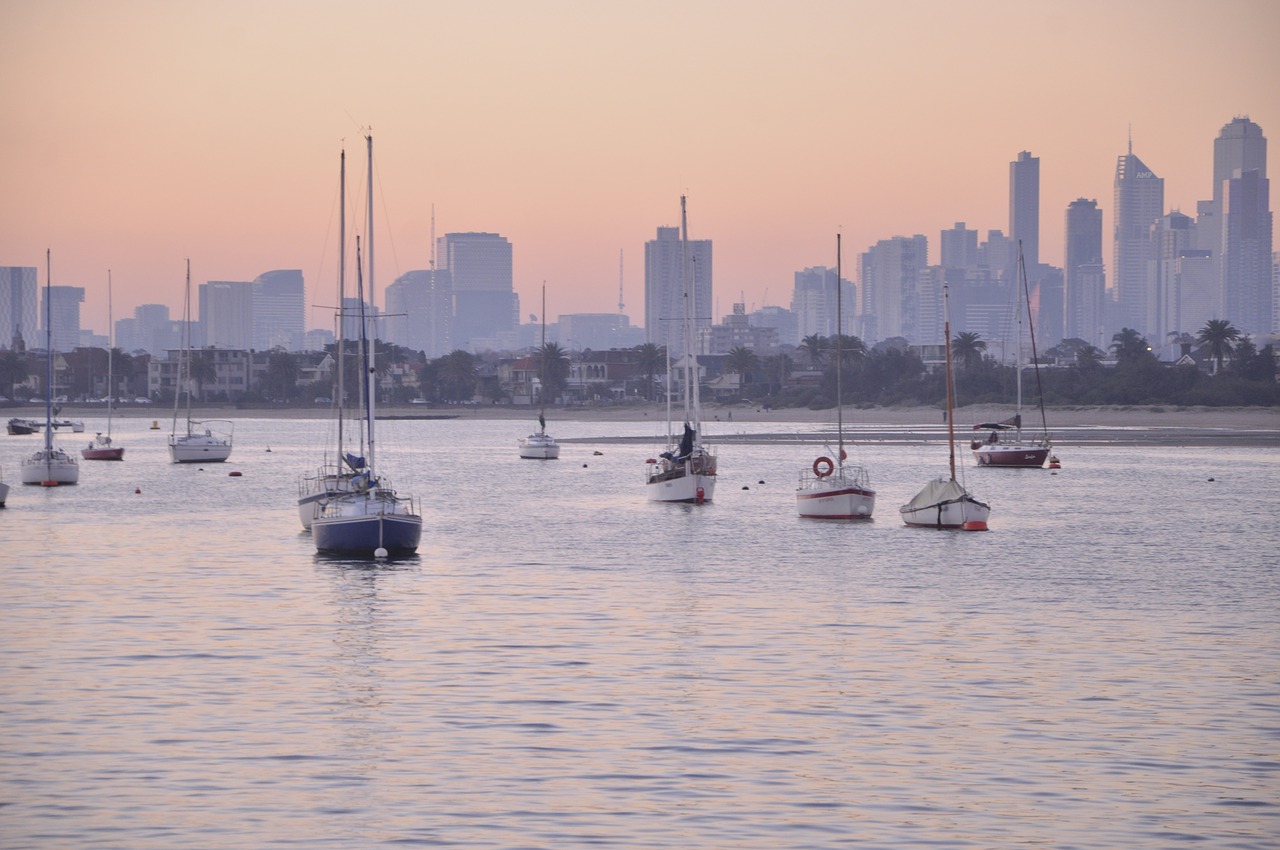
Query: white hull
{"x": 690, "y": 480}
{"x": 945, "y": 504}
{"x": 315, "y": 492}
{"x": 4, "y": 493}
{"x": 199, "y": 448}
{"x": 843, "y": 494}
{"x": 539, "y": 447}
{"x": 50, "y": 467}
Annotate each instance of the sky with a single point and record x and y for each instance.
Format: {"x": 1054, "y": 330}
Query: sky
{"x": 137, "y": 134}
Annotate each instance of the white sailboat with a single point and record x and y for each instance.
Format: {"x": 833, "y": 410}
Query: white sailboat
{"x": 944, "y": 502}
{"x": 1013, "y": 450}
{"x": 686, "y": 470}
{"x": 833, "y": 489}
{"x": 207, "y": 441}
{"x": 49, "y": 466}
{"x": 540, "y": 445}
{"x": 371, "y": 519}
{"x": 333, "y": 478}
{"x": 102, "y": 447}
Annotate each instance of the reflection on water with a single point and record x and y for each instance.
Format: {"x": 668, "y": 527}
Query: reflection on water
{"x": 566, "y": 664}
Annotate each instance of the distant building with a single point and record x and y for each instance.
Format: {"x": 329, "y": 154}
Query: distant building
{"x": 1084, "y": 283}
{"x": 420, "y": 311}
{"x": 1139, "y": 203}
{"x": 959, "y": 247}
{"x": 62, "y": 311}
{"x": 736, "y": 331}
{"x": 596, "y": 331}
{"x": 888, "y": 297}
{"x": 1246, "y": 251}
{"x": 814, "y": 303}
{"x": 480, "y": 271}
{"x": 226, "y": 314}
{"x": 1024, "y": 207}
{"x": 664, "y": 288}
{"x": 279, "y": 307}
{"x": 780, "y": 319}
{"x": 19, "y": 307}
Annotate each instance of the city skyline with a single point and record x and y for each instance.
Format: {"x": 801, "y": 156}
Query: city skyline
{"x": 140, "y": 134}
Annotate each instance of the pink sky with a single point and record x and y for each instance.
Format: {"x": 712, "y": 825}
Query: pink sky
{"x": 137, "y": 134}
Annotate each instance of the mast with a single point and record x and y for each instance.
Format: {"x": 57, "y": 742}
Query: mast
{"x": 1022, "y": 278}
{"x": 364, "y": 334}
{"x": 684, "y": 286}
{"x": 342, "y": 298}
{"x": 542, "y": 395}
{"x": 183, "y": 358}
{"x": 110, "y": 352}
{"x": 48, "y": 331}
{"x": 839, "y": 357}
{"x": 1035, "y": 357}
{"x": 946, "y": 331}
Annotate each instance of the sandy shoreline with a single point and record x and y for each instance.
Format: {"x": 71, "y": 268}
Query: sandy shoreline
{"x": 1257, "y": 426}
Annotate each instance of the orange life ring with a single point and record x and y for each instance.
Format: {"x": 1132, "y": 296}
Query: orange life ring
{"x": 823, "y": 466}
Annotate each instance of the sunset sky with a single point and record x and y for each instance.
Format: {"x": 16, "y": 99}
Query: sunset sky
{"x": 136, "y": 134}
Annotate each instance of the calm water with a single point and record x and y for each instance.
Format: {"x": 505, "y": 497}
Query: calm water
{"x": 567, "y": 665}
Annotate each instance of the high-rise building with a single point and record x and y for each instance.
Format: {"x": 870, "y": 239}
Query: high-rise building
{"x": 1172, "y": 236}
{"x": 958, "y": 247}
{"x": 891, "y": 302}
{"x": 1084, "y": 284}
{"x": 226, "y": 314}
{"x": 1242, "y": 196}
{"x": 279, "y": 305}
{"x": 1139, "y": 202}
{"x": 813, "y": 302}
{"x": 63, "y": 313}
{"x": 408, "y": 306}
{"x": 1240, "y": 147}
{"x": 484, "y": 299}
{"x": 664, "y": 288}
{"x": 19, "y": 307}
{"x": 1024, "y": 207}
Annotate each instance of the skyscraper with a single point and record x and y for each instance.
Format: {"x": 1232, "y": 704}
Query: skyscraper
{"x": 891, "y": 300}
{"x": 1139, "y": 202}
{"x": 19, "y": 307}
{"x": 664, "y": 284}
{"x": 226, "y": 314}
{"x": 63, "y": 314}
{"x": 279, "y": 304}
{"x": 1242, "y": 197}
{"x": 484, "y": 300}
{"x": 813, "y": 302}
{"x": 958, "y": 247}
{"x": 1084, "y": 289}
{"x": 1024, "y": 207}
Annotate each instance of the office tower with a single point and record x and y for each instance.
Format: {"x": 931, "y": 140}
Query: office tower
{"x": 407, "y": 308}
{"x": 1242, "y": 197}
{"x": 959, "y": 247}
{"x": 1024, "y": 207}
{"x": 1139, "y": 202}
{"x": 64, "y": 316}
{"x": 155, "y": 330}
{"x": 19, "y": 308}
{"x": 890, "y": 300}
{"x": 480, "y": 269}
{"x": 226, "y": 315}
{"x": 813, "y": 302}
{"x": 664, "y": 288}
{"x": 998, "y": 253}
{"x": 1082, "y": 270}
{"x": 279, "y": 305}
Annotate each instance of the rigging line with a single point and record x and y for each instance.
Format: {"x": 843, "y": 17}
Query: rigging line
{"x": 386, "y": 225}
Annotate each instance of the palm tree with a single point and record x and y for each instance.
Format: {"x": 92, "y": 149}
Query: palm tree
{"x": 967, "y": 348}
{"x": 743, "y": 362}
{"x": 777, "y": 369}
{"x": 651, "y": 359}
{"x": 281, "y": 378}
{"x": 553, "y": 369}
{"x": 457, "y": 375}
{"x": 1130, "y": 345}
{"x": 814, "y": 347}
{"x": 850, "y": 348}
{"x": 1220, "y": 337}
{"x": 1089, "y": 357}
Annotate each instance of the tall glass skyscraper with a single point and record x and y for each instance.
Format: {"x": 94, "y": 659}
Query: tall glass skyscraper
{"x": 1024, "y": 207}
{"x": 1139, "y": 204}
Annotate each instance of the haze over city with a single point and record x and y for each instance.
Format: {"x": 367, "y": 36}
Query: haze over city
{"x": 138, "y": 134}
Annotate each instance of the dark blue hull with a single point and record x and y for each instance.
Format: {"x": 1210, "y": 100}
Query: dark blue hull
{"x": 364, "y": 535}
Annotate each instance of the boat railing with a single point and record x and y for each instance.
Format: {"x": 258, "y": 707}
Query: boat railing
{"x": 849, "y": 475}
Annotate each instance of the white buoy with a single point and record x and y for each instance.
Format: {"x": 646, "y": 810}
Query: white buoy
{"x": 379, "y": 552}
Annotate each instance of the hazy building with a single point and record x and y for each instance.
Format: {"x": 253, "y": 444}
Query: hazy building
{"x": 783, "y": 321}
{"x": 1024, "y": 207}
{"x": 62, "y": 311}
{"x": 1139, "y": 202}
{"x": 279, "y": 308}
{"x": 736, "y": 331}
{"x": 408, "y": 306}
{"x": 1172, "y": 235}
{"x": 664, "y": 288}
{"x": 19, "y": 307}
{"x": 597, "y": 331}
{"x": 226, "y": 314}
{"x": 998, "y": 253}
{"x": 484, "y": 301}
{"x": 958, "y": 247}
{"x": 890, "y": 302}
{"x": 1084, "y": 283}
{"x": 1246, "y": 251}
{"x": 813, "y": 302}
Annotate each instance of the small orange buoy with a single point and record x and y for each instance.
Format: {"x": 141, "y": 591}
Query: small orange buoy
{"x": 701, "y": 495}
{"x": 975, "y": 525}
{"x": 137, "y": 490}
{"x": 235, "y": 474}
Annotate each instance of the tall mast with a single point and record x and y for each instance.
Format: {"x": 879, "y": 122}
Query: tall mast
{"x": 839, "y": 357}
{"x": 946, "y": 333}
{"x": 1017, "y": 360}
{"x": 342, "y": 297}
{"x": 110, "y": 351}
{"x": 684, "y": 286}
{"x": 372, "y": 338}
{"x": 48, "y": 332}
